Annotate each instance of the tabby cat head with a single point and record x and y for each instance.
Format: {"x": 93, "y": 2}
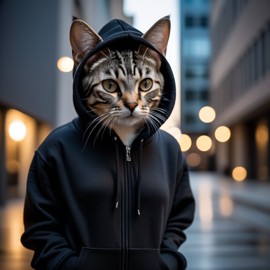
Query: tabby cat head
{"x": 122, "y": 87}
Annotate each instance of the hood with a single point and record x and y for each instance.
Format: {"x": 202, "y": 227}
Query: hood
{"x": 119, "y": 35}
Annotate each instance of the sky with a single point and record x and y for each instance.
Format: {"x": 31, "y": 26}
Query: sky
{"x": 145, "y": 13}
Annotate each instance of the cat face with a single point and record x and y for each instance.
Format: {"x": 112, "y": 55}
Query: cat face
{"x": 123, "y": 88}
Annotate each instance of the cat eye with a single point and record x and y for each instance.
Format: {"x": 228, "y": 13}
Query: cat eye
{"x": 110, "y": 85}
{"x": 146, "y": 84}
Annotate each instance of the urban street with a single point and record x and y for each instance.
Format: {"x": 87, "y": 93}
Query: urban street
{"x": 231, "y": 229}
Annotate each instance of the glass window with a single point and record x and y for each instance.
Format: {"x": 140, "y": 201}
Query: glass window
{"x": 196, "y": 21}
{"x": 204, "y": 21}
{"x": 190, "y": 118}
{"x": 197, "y": 71}
{"x": 190, "y": 95}
{"x": 189, "y": 21}
{"x": 204, "y": 95}
{"x": 197, "y": 47}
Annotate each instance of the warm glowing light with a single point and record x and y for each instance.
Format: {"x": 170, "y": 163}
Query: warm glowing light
{"x": 12, "y": 165}
{"x": 239, "y": 173}
{"x": 17, "y": 130}
{"x": 222, "y": 134}
{"x": 194, "y": 159}
{"x": 65, "y": 64}
{"x": 204, "y": 143}
{"x": 185, "y": 142}
{"x": 207, "y": 114}
{"x": 262, "y": 135}
{"x": 13, "y": 220}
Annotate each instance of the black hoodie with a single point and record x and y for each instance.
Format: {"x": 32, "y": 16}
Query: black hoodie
{"x": 94, "y": 204}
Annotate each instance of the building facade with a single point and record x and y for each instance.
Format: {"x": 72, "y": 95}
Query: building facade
{"x": 195, "y": 64}
{"x": 35, "y": 96}
{"x": 240, "y": 84}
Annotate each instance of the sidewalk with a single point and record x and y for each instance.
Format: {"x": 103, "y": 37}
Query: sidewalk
{"x": 254, "y": 196}
{"x": 13, "y": 256}
{"x": 231, "y": 230}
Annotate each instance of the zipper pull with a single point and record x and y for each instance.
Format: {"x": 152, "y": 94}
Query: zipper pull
{"x": 128, "y": 155}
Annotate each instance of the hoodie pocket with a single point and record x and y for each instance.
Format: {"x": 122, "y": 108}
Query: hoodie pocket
{"x": 146, "y": 259}
{"x": 99, "y": 259}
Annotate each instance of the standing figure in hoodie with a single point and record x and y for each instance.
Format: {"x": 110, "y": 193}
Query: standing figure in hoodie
{"x": 110, "y": 190}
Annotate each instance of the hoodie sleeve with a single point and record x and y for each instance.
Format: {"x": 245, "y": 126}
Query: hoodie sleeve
{"x": 44, "y": 233}
{"x": 181, "y": 217}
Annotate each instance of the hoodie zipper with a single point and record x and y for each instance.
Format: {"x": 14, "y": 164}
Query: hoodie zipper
{"x": 125, "y": 209}
{"x": 128, "y": 155}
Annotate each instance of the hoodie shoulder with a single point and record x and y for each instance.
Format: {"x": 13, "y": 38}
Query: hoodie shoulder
{"x": 168, "y": 138}
{"x": 67, "y": 134}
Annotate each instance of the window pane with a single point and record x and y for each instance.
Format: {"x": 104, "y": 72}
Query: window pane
{"x": 197, "y": 47}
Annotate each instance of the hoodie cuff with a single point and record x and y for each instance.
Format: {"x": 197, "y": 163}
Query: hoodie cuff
{"x": 69, "y": 263}
{"x": 174, "y": 260}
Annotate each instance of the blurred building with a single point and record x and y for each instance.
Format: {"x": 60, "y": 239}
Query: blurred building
{"x": 240, "y": 84}
{"x": 35, "y": 96}
{"x": 195, "y": 64}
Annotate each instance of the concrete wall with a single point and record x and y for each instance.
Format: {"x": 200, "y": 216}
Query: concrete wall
{"x": 28, "y": 31}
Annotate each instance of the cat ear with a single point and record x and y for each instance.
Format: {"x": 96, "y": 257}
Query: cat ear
{"x": 158, "y": 34}
{"x": 82, "y": 39}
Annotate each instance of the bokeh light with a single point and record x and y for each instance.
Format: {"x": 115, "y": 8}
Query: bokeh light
{"x": 222, "y": 134}
{"x": 262, "y": 134}
{"x": 207, "y": 114}
{"x": 65, "y": 64}
{"x": 194, "y": 159}
{"x": 185, "y": 142}
{"x": 204, "y": 143}
{"x": 17, "y": 130}
{"x": 239, "y": 173}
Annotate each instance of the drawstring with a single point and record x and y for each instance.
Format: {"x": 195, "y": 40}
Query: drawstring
{"x": 116, "y": 200}
{"x": 139, "y": 179}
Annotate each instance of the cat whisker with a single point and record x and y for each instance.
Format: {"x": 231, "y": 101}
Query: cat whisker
{"x": 148, "y": 125}
{"x": 106, "y": 123}
{"x": 96, "y": 122}
{"x": 155, "y": 123}
{"x": 158, "y": 116}
{"x": 161, "y": 111}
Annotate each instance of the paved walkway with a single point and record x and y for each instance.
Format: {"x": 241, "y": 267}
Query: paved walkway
{"x": 231, "y": 230}
{"x": 232, "y": 226}
{"x": 13, "y": 256}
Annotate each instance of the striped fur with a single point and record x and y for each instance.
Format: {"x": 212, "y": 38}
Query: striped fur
{"x": 136, "y": 89}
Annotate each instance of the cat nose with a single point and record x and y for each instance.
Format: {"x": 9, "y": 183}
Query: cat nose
{"x": 131, "y": 105}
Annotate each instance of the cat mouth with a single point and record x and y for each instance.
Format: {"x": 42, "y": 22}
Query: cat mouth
{"x": 131, "y": 116}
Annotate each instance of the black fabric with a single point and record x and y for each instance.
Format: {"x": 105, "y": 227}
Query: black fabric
{"x": 83, "y": 195}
